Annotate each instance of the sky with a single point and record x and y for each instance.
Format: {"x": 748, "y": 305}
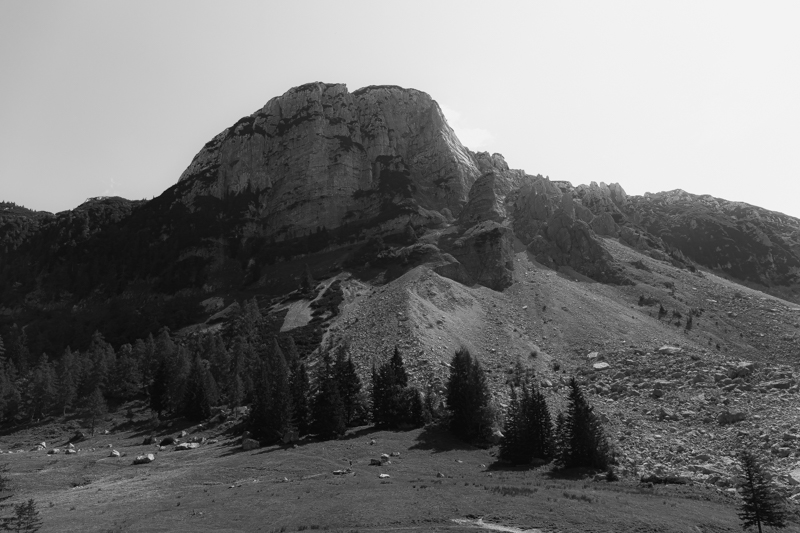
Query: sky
{"x": 102, "y": 98}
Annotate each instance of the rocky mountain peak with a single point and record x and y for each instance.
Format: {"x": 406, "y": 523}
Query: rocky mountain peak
{"x": 320, "y": 156}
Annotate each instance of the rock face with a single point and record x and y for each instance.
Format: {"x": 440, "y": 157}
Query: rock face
{"x": 486, "y": 251}
{"x": 320, "y": 156}
{"x": 744, "y": 241}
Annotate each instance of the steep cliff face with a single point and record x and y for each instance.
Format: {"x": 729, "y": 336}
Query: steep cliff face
{"x": 320, "y": 156}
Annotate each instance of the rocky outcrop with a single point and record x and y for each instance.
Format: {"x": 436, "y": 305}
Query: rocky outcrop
{"x": 746, "y": 242}
{"x": 320, "y": 156}
{"x": 486, "y": 252}
{"x": 489, "y": 196}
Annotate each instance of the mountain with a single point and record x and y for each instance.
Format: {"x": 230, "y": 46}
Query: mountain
{"x": 357, "y": 223}
{"x": 372, "y": 182}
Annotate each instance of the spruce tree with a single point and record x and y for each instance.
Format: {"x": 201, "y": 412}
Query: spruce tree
{"x": 580, "y": 434}
{"x": 349, "y": 386}
{"x": 198, "y": 398}
{"x": 159, "y": 388}
{"x": 95, "y": 408}
{"x": 513, "y": 448}
{"x": 761, "y": 504}
{"x": 281, "y": 399}
{"x": 328, "y": 408}
{"x": 300, "y": 389}
{"x": 26, "y": 518}
{"x": 66, "y": 387}
{"x": 468, "y": 398}
{"x": 528, "y": 432}
{"x": 259, "y": 422}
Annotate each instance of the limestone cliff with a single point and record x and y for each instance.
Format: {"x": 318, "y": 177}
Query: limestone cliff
{"x": 320, "y": 156}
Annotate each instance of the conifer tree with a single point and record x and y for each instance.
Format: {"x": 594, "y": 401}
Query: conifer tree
{"x": 513, "y": 446}
{"x": 761, "y": 504}
{"x": 197, "y": 400}
{"x": 300, "y": 391}
{"x": 468, "y": 397}
{"x": 42, "y": 391}
{"x": 259, "y": 421}
{"x": 95, "y": 408}
{"x": 67, "y": 386}
{"x": 159, "y": 388}
{"x": 16, "y": 347}
{"x": 349, "y": 385}
{"x": 328, "y": 409}
{"x": 26, "y": 518}
{"x": 281, "y": 400}
{"x": 581, "y": 440}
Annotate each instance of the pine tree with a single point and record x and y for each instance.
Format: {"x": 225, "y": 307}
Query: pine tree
{"x": 513, "y": 446}
{"x": 95, "y": 408}
{"x": 393, "y": 402}
{"x": 761, "y": 504}
{"x": 67, "y": 387}
{"x": 281, "y": 400}
{"x": 26, "y": 518}
{"x": 42, "y": 391}
{"x": 581, "y": 440}
{"x": 197, "y": 399}
{"x": 17, "y": 349}
{"x": 159, "y": 388}
{"x": 300, "y": 388}
{"x": 328, "y": 408}
{"x": 528, "y": 432}
{"x": 349, "y": 385}
{"x": 468, "y": 398}
{"x": 540, "y": 425}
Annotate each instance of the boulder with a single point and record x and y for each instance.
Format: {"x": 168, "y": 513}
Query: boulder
{"x": 187, "y": 446}
{"x": 728, "y": 417}
{"x": 603, "y": 224}
{"x": 144, "y": 459}
{"x": 670, "y": 350}
{"x": 148, "y": 440}
{"x": 53, "y": 451}
{"x": 114, "y": 453}
{"x": 167, "y": 441}
{"x": 70, "y": 451}
{"x": 375, "y": 462}
{"x": 601, "y": 366}
{"x": 250, "y": 444}
{"x": 384, "y": 476}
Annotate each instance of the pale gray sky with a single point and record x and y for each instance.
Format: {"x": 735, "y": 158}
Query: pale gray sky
{"x": 115, "y": 98}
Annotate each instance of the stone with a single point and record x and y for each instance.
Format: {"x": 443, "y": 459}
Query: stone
{"x": 167, "y": 441}
{"x": 384, "y": 476}
{"x": 440, "y": 475}
{"x": 592, "y": 355}
{"x": 70, "y": 451}
{"x": 148, "y": 440}
{"x": 384, "y": 457}
{"x": 144, "y": 459}
{"x": 728, "y": 417}
{"x": 781, "y": 384}
{"x": 53, "y": 451}
{"x": 496, "y": 437}
{"x": 250, "y": 444}
{"x": 375, "y": 462}
{"x": 114, "y": 453}
{"x": 670, "y": 350}
{"x": 601, "y": 366}
{"x": 182, "y": 434}
{"x": 189, "y": 446}
{"x": 42, "y": 444}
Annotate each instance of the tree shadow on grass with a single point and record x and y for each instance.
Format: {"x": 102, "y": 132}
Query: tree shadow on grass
{"x": 437, "y": 439}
